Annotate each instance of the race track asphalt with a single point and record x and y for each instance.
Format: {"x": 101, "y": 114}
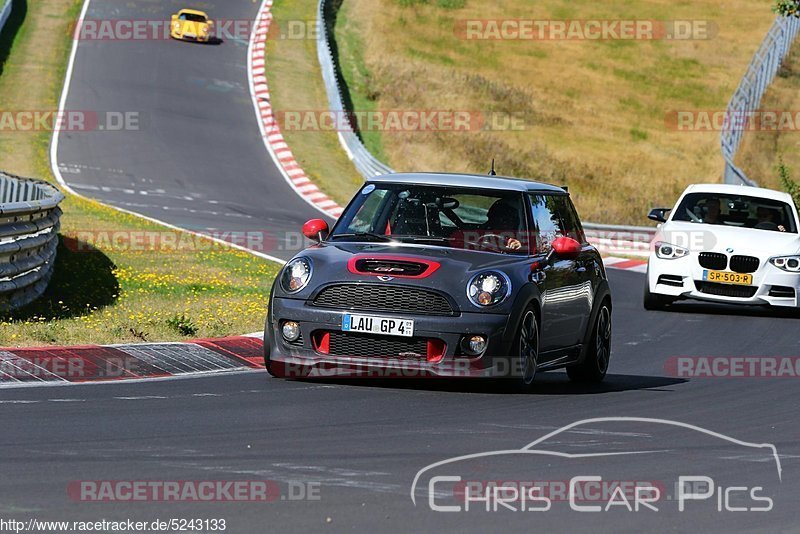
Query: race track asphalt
{"x": 360, "y": 443}
{"x": 192, "y": 155}
{"x": 197, "y": 161}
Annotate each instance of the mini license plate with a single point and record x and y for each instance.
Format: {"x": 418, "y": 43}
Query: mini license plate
{"x": 728, "y": 278}
{"x": 369, "y": 324}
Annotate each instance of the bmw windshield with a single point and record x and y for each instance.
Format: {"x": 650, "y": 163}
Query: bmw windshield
{"x": 736, "y": 210}
{"x": 453, "y": 217}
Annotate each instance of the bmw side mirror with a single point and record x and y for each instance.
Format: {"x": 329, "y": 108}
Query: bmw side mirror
{"x": 566, "y": 248}
{"x": 659, "y": 214}
{"x": 316, "y": 230}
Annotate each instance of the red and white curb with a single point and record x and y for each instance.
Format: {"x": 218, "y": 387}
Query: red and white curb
{"x": 270, "y": 130}
{"x": 627, "y": 264}
{"x": 48, "y": 366}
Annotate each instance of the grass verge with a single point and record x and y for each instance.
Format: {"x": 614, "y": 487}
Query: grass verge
{"x": 107, "y": 293}
{"x": 296, "y": 85}
{"x": 593, "y": 115}
{"x": 760, "y": 152}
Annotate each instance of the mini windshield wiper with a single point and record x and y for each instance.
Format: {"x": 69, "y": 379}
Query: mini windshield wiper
{"x": 362, "y": 235}
{"x": 415, "y": 238}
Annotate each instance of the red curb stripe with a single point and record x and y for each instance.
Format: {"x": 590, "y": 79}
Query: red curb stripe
{"x": 246, "y": 349}
{"x": 260, "y": 87}
{"x": 628, "y": 264}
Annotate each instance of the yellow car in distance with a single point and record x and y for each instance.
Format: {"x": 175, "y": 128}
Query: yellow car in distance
{"x": 191, "y": 25}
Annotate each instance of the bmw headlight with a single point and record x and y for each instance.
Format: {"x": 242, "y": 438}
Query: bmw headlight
{"x": 296, "y": 275}
{"x": 668, "y": 251}
{"x": 787, "y": 263}
{"x": 488, "y": 288}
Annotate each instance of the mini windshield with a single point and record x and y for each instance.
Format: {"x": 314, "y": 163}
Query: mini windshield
{"x": 453, "y": 217}
{"x": 736, "y": 210}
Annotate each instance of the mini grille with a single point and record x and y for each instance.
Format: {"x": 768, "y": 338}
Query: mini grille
{"x": 366, "y": 346}
{"x": 713, "y": 260}
{"x": 391, "y": 267}
{"x": 374, "y": 297}
{"x": 745, "y": 264}
{"x": 726, "y": 290}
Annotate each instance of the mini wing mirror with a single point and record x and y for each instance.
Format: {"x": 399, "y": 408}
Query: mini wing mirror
{"x": 566, "y": 248}
{"x": 659, "y": 214}
{"x": 316, "y": 230}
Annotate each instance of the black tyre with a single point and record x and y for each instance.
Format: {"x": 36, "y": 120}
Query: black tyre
{"x": 527, "y": 347}
{"x": 594, "y": 366}
{"x": 653, "y": 301}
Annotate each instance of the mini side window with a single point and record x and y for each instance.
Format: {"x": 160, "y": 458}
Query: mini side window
{"x": 554, "y": 216}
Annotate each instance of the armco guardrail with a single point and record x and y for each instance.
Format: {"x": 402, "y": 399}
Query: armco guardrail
{"x": 629, "y": 240}
{"x": 29, "y": 224}
{"x": 5, "y": 12}
{"x": 364, "y": 161}
{"x": 747, "y": 97}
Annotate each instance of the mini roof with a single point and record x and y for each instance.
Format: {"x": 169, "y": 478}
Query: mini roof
{"x": 479, "y": 181}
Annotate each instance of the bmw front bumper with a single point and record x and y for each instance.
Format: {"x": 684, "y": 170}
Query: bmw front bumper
{"x": 683, "y": 279}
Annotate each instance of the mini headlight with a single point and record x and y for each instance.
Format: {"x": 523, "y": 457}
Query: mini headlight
{"x": 488, "y": 288}
{"x": 668, "y": 251}
{"x": 296, "y": 275}
{"x": 787, "y": 263}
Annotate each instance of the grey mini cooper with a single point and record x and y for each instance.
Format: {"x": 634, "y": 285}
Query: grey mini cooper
{"x": 447, "y": 275}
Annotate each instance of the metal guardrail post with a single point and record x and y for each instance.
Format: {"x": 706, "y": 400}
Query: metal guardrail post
{"x": 29, "y": 223}
{"x": 5, "y": 12}
{"x": 367, "y": 164}
{"x": 747, "y": 97}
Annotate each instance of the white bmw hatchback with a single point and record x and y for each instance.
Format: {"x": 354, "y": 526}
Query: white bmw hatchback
{"x": 726, "y": 243}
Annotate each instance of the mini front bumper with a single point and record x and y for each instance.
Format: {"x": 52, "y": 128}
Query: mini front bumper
{"x": 297, "y": 359}
{"x": 682, "y": 279}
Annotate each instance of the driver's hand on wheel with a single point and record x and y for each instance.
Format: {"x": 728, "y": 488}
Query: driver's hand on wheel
{"x": 514, "y": 244}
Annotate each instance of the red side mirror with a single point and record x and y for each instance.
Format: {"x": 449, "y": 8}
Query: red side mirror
{"x": 315, "y": 229}
{"x": 566, "y": 248}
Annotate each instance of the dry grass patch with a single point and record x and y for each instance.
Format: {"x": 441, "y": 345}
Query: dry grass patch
{"x": 593, "y": 111}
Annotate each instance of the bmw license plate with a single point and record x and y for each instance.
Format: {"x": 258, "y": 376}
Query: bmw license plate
{"x": 728, "y": 278}
{"x": 369, "y": 324}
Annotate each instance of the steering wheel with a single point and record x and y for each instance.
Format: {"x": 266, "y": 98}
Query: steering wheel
{"x": 483, "y": 242}
{"x": 767, "y": 225}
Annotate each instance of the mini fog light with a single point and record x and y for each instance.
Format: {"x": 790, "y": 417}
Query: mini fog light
{"x": 474, "y": 345}
{"x": 291, "y": 331}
